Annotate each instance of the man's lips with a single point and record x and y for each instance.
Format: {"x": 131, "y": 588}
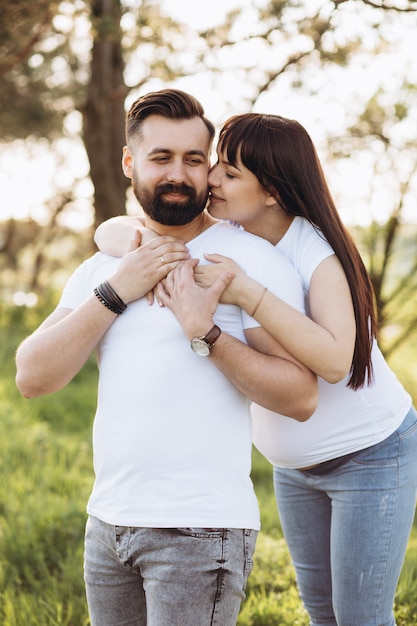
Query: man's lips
{"x": 175, "y": 195}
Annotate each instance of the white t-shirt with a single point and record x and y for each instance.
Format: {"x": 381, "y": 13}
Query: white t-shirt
{"x": 345, "y": 420}
{"x": 172, "y": 436}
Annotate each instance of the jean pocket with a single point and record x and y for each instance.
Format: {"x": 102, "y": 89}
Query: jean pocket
{"x": 202, "y": 533}
{"x": 409, "y": 424}
{"x": 382, "y": 454}
{"x": 250, "y": 543}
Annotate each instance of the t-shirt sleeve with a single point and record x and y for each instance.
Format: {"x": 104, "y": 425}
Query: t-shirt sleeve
{"x": 306, "y": 247}
{"x": 76, "y": 290}
{"x": 315, "y": 251}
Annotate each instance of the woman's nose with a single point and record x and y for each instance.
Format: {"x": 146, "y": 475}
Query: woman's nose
{"x": 213, "y": 178}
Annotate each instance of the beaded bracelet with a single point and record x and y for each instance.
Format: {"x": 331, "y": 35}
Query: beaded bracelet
{"x": 107, "y": 296}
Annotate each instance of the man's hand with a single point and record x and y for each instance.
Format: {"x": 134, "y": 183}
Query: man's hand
{"x": 193, "y": 306}
{"x": 143, "y": 267}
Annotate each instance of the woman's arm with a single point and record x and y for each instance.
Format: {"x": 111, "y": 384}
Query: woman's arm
{"x": 114, "y": 235}
{"x": 263, "y": 370}
{"x": 325, "y": 343}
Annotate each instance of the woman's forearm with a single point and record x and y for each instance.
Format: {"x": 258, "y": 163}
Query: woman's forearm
{"x": 327, "y": 351}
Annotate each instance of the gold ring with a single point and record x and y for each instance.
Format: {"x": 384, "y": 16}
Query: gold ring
{"x": 162, "y": 260}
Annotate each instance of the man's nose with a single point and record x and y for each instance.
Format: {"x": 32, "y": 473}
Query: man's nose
{"x": 176, "y": 173}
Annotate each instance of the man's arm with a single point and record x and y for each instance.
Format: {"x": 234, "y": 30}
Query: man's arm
{"x": 48, "y": 359}
{"x": 266, "y": 374}
{"x": 263, "y": 370}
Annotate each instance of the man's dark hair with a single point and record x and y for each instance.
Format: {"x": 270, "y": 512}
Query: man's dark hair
{"x": 173, "y": 104}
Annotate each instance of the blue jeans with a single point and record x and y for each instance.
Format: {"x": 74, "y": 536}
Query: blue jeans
{"x": 165, "y": 576}
{"x": 347, "y": 531}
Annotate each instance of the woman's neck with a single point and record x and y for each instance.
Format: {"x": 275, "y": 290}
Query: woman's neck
{"x": 272, "y": 226}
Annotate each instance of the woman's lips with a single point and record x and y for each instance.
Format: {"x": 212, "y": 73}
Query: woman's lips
{"x": 214, "y": 198}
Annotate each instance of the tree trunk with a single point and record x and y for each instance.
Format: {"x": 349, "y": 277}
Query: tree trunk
{"x": 104, "y": 113}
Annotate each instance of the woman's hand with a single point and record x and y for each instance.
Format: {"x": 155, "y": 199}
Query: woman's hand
{"x": 192, "y": 305}
{"x": 206, "y": 275}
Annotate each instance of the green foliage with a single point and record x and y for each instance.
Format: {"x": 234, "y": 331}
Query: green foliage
{"x": 46, "y": 464}
{"x": 272, "y": 596}
{"x": 406, "y": 599}
{"x": 262, "y": 478}
{"x": 31, "y": 45}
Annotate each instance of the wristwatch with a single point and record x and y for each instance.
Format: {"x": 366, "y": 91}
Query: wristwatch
{"x": 203, "y": 345}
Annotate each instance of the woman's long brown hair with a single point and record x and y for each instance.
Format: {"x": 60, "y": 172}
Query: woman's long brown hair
{"x": 281, "y": 154}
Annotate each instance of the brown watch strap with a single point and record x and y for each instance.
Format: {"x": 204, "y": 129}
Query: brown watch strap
{"x": 212, "y": 335}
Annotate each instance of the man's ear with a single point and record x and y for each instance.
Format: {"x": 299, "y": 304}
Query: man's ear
{"x": 127, "y": 162}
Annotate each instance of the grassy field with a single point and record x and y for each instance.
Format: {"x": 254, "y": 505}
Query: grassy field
{"x": 46, "y": 466}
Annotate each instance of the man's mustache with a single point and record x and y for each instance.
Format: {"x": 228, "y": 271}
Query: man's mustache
{"x": 170, "y": 188}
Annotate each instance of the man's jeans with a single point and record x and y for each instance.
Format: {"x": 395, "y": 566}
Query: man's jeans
{"x": 347, "y": 531}
{"x": 165, "y": 576}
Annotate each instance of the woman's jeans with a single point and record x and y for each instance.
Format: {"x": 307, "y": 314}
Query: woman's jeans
{"x": 165, "y": 576}
{"x": 347, "y": 531}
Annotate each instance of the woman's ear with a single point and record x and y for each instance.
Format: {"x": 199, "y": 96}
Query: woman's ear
{"x": 127, "y": 162}
{"x": 271, "y": 200}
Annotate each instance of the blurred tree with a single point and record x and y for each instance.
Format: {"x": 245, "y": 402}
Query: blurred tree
{"x": 61, "y": 57}
{"x": 25, "y": 28}
{"x": 62, "y": 61}
{"x": 58, "y": 57}
{"x": 385, "y": 132}
{"x": 103, "y": 109}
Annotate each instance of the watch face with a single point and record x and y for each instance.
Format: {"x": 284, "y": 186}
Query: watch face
{"x": 200, "y": 347}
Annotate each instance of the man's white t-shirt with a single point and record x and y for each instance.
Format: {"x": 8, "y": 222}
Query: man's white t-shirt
{"x": 345, "y": 420}
{"x": 172, "y": 436}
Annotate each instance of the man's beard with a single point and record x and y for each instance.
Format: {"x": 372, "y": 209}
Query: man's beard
{"x": 170, "y": 213}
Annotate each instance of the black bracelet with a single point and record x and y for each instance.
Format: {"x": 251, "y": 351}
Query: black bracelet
{"x": 107, "y": 296}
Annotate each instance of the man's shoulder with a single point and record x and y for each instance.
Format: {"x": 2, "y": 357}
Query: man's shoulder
{"x": 93, "y": 265}
{"x": 245, "y": 248}
{"x": 232, "y": 232}
{"x": 99, "y": 259}
{"x": 261, "y": 260}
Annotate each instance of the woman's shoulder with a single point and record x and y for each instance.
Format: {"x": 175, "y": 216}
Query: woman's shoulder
{"x": 306, "y": 247}
{"x": 300, "y": 227}
{"x": 303, "y": 235}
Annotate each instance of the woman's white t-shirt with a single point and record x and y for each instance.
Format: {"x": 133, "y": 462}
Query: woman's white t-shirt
{"x": 345, "y": 420}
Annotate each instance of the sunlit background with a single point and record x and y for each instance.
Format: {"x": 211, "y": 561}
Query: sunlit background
{"x": 345, "y": 69}
{"x": 31, "y": 172}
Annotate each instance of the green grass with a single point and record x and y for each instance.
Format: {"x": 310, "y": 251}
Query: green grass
{"x": 46, "y": 477}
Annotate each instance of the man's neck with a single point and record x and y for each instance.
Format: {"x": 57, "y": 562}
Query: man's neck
{"x": 187, "y": 231}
